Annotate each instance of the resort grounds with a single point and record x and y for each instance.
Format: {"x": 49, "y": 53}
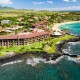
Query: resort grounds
{"x": 28, "y": 21}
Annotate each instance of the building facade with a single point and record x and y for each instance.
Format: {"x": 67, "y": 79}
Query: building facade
{"x": 17, "y": 40}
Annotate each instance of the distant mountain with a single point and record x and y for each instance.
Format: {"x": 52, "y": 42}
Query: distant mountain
{"x": 6, "y": 7}
{"x": 71, "y": 11}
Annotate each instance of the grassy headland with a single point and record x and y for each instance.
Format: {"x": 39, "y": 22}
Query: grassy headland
{"x": 48, "y": 46}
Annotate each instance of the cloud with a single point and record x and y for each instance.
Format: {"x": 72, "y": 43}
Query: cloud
{"x": 35, "y": 3}
{"x": 50, "y": 2}
{"x": 66, "y": 0}
{"x": 62, "y": 8}
{"x": 70, "y": 0}
{"x": 74, "y": 0}
{"x": 5, "y": 2}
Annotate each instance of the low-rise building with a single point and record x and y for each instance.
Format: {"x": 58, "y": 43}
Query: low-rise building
{"x": 5, "y": 22}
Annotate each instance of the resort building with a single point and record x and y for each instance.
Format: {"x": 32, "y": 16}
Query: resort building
{"x": 40, "y": 24}
{"x": 23, "y": 39}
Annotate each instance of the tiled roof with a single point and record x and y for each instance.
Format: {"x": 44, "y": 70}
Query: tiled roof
{"x": 39, "y": 23}
{"x": 23, "y": 36}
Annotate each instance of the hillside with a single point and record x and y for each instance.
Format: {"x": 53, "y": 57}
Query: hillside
{"x": 5, "y": 7}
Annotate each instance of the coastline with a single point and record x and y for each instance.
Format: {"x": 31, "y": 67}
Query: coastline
{"x": 60, "y": 44}
{"x": 42, "y": 53}
{"x": 26, "y": 55}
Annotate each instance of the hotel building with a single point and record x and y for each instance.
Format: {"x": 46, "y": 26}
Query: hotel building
{"x": 23, "y": 39}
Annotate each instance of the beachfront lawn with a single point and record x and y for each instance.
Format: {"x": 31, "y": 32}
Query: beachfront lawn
{"x": 20, "y": 49}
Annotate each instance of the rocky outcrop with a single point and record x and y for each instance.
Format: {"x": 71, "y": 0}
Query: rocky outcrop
{"x": 59, "y": 47}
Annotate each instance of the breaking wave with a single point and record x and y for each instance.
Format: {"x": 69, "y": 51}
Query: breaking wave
{"x": 35, "y": 61}
{"x": 73, "y": 43}
{"x": 77, "y": 59}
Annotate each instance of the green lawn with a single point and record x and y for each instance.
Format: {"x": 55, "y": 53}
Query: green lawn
{"x": 47, "y": 46}
{"x": 17, "y": 49}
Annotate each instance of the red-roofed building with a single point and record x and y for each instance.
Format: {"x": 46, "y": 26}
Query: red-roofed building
{"x": 39, "y": 24}
{"x": 23, "y": 39}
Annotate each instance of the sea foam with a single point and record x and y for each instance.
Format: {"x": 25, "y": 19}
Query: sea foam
{"x": 13, "y": 62}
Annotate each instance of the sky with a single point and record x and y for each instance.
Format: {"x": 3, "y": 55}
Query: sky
{"x": 43, "y": 4}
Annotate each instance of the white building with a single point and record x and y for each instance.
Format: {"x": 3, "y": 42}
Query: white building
{"x": 5, "y": 22}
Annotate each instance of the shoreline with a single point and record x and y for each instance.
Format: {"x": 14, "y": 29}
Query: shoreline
{"x": 56, "y": 25}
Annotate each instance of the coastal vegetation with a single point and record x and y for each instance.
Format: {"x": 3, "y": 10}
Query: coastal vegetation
{"x": 30, "y": 16}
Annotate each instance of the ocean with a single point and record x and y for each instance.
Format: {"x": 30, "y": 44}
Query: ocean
{"x": 65, "y": 68}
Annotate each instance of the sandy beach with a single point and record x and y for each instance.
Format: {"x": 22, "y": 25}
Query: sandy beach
{"x": 56, "y": 25}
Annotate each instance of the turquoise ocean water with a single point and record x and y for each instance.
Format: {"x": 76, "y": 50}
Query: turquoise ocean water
{"x": 65, "y": 69}
{"x": 73, "y": 28}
